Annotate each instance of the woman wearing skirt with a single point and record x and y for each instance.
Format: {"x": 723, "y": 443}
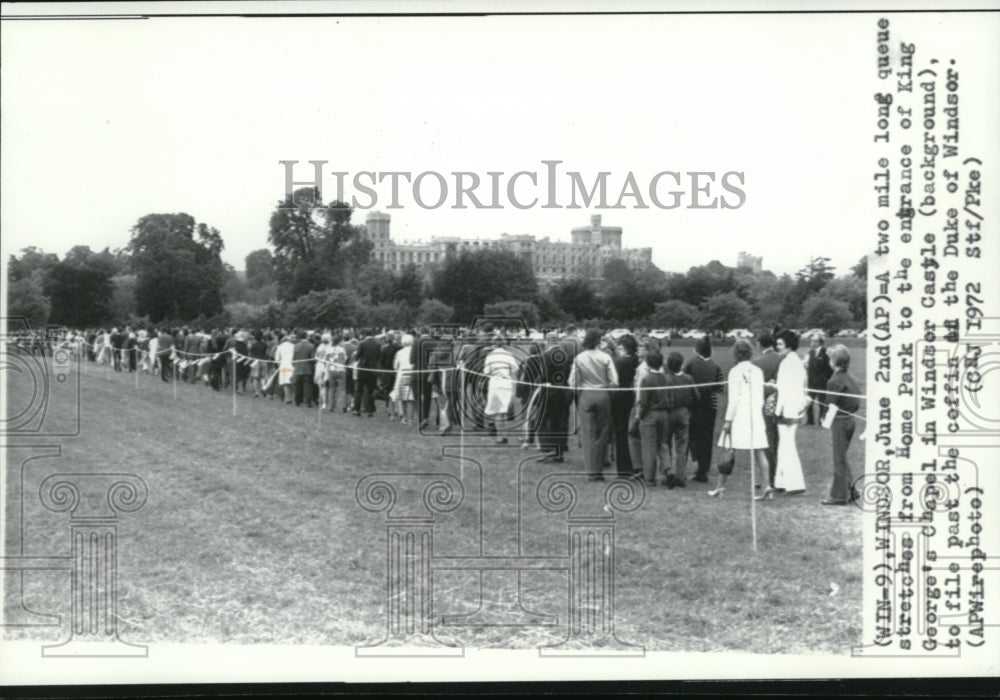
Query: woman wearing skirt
{"x": 744, "y": 425}
{"x": 402, "y": 391}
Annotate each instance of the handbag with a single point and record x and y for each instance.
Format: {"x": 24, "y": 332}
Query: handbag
{"x": 726, "y": 458}
{"x": 770, "y": 403}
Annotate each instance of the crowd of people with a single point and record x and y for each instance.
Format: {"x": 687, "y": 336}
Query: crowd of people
{"x": 643, "y": 411}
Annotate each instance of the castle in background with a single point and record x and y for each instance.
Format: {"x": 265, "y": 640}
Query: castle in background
{"x": 591, "y": 247}
{"x": 754, "y": 262}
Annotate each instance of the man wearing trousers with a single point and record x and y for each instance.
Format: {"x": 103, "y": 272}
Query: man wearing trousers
{"x": 554, "y": 401}
{"x": 681, "y": 397}
{"x": 703, "y": 370}
{"x": 768, "y": 362}
{"x": 304, "y": 357}
{"x": 593, "y": 373}
{"x": 842, "y": 430}
{"x": 369, "y": 355}
{"x": 818, "y": 373}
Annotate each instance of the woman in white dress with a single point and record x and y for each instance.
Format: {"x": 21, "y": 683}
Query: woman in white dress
{"x": 100, "y": 343}
{"x": 321, "y": 374}
{"x": 285, "y": 356}
{"x": 501, "y": 367}
{"x": 789, "y": 410}
{"x": 744, "y": 424}
{"x": 402, "y": 390}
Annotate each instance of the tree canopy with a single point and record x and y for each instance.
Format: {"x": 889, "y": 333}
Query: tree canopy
{"x": 259, "y": 268}
{"x": 315, "y": 245}
{"x": 471, "y": 280}
{"x": 179, "y": 273}
{"x": 80, "y": 287}
{"x": 723, "y": 312}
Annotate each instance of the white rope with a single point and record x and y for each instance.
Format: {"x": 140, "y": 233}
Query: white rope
{"x": 246, "y": 359}
{"x": 612, "y": 388}
{"x": 840, "y": 410}
{"x": 836, "y": 393}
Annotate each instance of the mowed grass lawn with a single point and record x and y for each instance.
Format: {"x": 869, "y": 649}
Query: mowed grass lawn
{"x": 252, "y": 532}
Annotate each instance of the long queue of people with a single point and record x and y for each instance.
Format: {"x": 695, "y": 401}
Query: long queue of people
{"x": 640, "y": 414}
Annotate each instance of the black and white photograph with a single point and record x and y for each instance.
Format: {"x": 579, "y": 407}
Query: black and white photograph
{"x": 379, "y": 341}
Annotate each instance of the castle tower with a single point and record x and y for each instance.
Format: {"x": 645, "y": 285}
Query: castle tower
{"x": 377, "y": 224}
{"x": 754, "y": 263}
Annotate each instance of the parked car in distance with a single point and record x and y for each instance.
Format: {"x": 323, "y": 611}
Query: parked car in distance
{"x": 618, "y": 333}
{"x": 863, "y": 334}
{"x": 847, "y": 333}
{"x": 814, "y": 333}
{"x": 740, "y": 334}
{"x": 660, "y": 334}
{"x": 692, "y": 334}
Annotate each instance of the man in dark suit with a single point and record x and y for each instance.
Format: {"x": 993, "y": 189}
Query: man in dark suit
{"x": 191, "y": 347}
{"x": 472, "y": 356}
{"x": 164, "y": 347}
{"x": 818, "y": 373}
{"x": 91, "y": 339}
{"x": 703, "y": 370}
{"x": 369, "y": 355}
{"x": 441, "y": 381}
{"x": 387, "y": 359}
{"x": 303, "y": 371}
{"x": 681, "y": 398}
{"x": 420, "y": 352}
{"x": 768, "y": 362}
{"x": 350, "y": 346}
{"x": 131, "y": 347}
{"x": 219, "y": 360}
{"x": 553, "y": 429}
{"x": 117, "y": 346}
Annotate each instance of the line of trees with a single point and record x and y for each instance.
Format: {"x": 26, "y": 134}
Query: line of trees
{"x": 319, "y": 270}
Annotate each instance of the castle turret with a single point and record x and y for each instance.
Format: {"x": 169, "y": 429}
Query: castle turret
{"x": 377, "y": 225}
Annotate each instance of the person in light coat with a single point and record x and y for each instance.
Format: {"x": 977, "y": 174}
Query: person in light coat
{"x": 501, "y": 366}
{"x": 789, "y": 411}
{"x": 744, "y": 427}
{"x": 284, "y": 355}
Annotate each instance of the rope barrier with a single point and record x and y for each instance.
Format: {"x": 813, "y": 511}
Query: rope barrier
{"x": 246, "y": 359}
{"x": 836, "y": 393}
{"x": 330, "y": 363}
{"x": 612, "y": 388}
{"x": 840, "y": 410}
{"x": 188, "y": 359}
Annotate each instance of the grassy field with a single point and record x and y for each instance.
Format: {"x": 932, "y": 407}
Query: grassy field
{"x": 252, "y": 532}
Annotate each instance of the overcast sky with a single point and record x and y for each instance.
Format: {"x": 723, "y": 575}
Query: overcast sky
{"x": 105, "y": 121}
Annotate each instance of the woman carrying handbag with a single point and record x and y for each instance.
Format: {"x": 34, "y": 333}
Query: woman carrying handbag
{"x": 744, "y": 425}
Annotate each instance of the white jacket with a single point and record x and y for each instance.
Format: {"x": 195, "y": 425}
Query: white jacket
{"x": 791, "y": 383}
